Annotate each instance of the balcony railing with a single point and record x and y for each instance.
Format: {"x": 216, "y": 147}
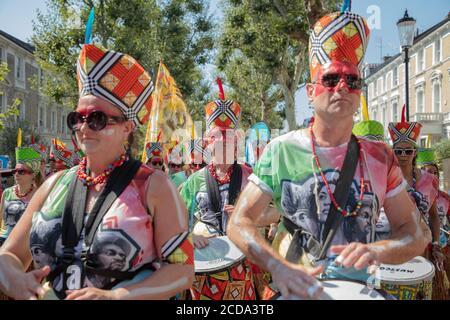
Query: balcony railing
{"x": 447, "y": 117}
{"x": 423, "y": 117}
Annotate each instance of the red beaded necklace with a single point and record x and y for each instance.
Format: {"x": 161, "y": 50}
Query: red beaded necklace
{"x": 225, "y": 179}
{"x": 22, "y": 195}
{"x": 89, "y": 181}
{"x": 330, "y": 194}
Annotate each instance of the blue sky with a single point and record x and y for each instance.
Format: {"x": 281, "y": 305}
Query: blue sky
{"x": 16, "y": 19}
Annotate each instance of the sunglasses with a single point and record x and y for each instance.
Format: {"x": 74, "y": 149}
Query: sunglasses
{"x": 96, "y": 120}
{"x": 173, "y": 165}
{"x": 22, "y": 172}
{"x": 197, "y": 166}
{"x": 331, "y": 80}
{"x": 401, "y": 152}
{"x": 157, "y": 163}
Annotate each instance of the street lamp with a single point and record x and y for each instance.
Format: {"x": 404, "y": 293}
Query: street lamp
{"x": 406, "y": 28}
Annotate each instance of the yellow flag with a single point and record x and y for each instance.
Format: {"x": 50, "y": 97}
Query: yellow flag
{"x": 365, "y": 111}
{"x": 19, "y": 137}
{"x": 169, "y": 117}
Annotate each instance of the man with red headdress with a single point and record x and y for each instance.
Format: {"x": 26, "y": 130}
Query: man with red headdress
{"x": 327, "y": 228}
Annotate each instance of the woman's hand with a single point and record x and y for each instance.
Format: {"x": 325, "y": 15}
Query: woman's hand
{"x": 95, "y": 294}
{"x": 200, "y": 241}
{"x": 27, "y": 286}
{"x": 228, "y": 209}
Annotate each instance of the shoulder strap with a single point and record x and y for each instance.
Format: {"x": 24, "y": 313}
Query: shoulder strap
{"x": 235, "y": 184}
{"x": 341, "y": 194}
{"x": 212, "y": 188}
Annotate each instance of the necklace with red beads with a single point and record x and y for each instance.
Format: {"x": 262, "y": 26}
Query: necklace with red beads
{"x": 87, "y": 180}
{"x": 325, "y": 181}
{"x": 22, "y": 195}
{"x": 224, "y": 180}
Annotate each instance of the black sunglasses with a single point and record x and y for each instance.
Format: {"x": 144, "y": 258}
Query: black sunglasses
{"x": 399, "y": 151}
{"x": 96, "y": 120}
{"x": 22, "y": 172}
{"x": 331, "y": 80}
{"x": 157, "y": 163}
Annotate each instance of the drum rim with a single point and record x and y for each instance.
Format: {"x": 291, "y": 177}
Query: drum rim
{"x": 239, "y": 260}
{"x": 424, "y": 278}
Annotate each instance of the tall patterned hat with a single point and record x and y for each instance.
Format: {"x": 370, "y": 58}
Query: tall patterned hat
{"x": 41, "y": 149}
{"x": 197, "y": 152}
{"x": 425, "y": 156}
{"x": 404, "y": 131}
{"x": 339, "y": 36}
{"x": 59, "y": 152}
{"x": 29, "y": 157}
{"x": 368, "y": 129}
{"x": 115, "y": 77}
{"x": 222, "y": 113}
{"x": 154, "y": 149}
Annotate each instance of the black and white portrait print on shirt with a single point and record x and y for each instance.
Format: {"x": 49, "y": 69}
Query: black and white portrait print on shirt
{"x": 307, "y": 204}
{"x": 204, "y": 207}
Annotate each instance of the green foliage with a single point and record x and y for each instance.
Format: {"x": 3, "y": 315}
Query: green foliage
{"x": 263, "y": 53}
{"x": 10, "y": 110}
{"x": 442, "y": 150}
{"x": 8, "y": 138}
{"x": 177, "y": 31}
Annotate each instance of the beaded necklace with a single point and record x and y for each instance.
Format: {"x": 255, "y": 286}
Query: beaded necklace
{"x": 330, "y": 194}
{"x": 22, "y": 195}
{"x": 83, "y": 173}
{"x": 226, "y": 179}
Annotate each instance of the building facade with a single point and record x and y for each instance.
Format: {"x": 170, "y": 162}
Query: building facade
{"x": 429, "y": 85}
{"x": 23, "y": 81}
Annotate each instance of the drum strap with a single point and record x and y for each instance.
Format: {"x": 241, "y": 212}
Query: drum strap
{"x": 341, "y": 194}
{"x": 212, "y": 189}
{"x": 74, "y": 213}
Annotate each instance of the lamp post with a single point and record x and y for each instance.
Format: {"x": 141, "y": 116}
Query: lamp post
{"x": 406, "y": 27}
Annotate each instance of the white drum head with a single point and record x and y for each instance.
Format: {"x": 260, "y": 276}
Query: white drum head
{"x": 219, "y": 254}
{"x": 411, "y": 272}
{"x": 346, "y": 290}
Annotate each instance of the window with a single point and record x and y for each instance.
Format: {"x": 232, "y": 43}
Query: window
{"x": 380, "y": 85}
{"x": 385, "y": 83}
{"x": 394, "y": 112}
{"x": 383, "y": 115}
{"x": 19, "y": 68}
{"x": 374, "y": 115}
{"x": 63, "y": 124}
{"x": 437, "y": 51}
{"x": 420, "y": 61}
{"x": 53, "y": 121}
{"x": 436, "y": 98}
{"x": 419, "y": 101}
{"x": 395, "y": 77}
{"x": 41, "y": 77}
{"x": 2, "y": 52}
{"x": 21, "y": 108}
{"x": 375, "y": 89}
{"x": 41, "y": 117}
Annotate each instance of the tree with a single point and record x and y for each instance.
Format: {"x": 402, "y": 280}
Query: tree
{"x": 273, "y": 38}
{"x": 177, "y": 31}
{"x": 10, "y": 110}
{"x": 8, "y": 138}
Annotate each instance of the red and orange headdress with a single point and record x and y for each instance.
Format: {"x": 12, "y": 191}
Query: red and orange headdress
{"x": 404, "y": 131}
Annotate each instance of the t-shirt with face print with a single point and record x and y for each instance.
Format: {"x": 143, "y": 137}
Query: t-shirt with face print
{"x": 288, "y": 172}
{"x": 443, "y": 208}
{"x": 13, "y": 209}
{"x": 425, "y": 192}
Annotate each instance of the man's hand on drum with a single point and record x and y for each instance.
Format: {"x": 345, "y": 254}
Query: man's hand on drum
{"x": 296, "y": 281}
{"x": 200, "y": 241}
{"x": 355, "y": 254}
{"x": 228, "y": 209}
{"x": 28, "y": 286}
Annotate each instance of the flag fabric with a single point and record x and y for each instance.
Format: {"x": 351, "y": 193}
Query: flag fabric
{"x": 169, "y": 120}
{"x": 19, "y": 137}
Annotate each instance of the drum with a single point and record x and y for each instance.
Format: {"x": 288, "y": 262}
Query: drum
{"x": 347, "y": 290}
{"x": 222, "y": 272}
{"x": 412, "y": 280}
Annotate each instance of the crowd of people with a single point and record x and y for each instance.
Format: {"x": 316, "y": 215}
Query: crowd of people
{"x": 307, "y": 209}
